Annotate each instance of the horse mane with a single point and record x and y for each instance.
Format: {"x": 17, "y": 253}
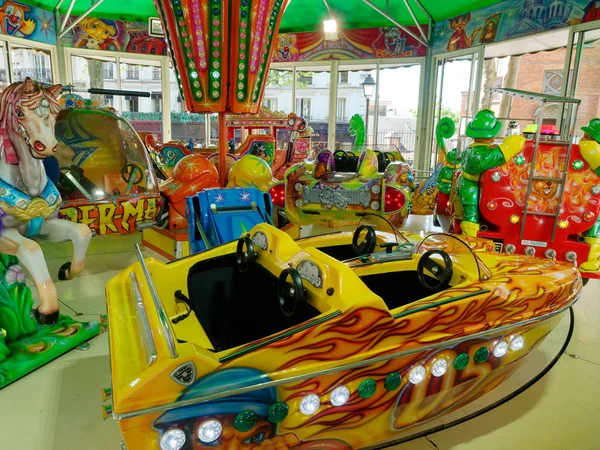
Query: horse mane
{"x": 9, "y": 97}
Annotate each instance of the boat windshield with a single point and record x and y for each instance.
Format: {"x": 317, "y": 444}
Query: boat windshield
{"x": 458, "y": 250}
{"x": 96, "y": 165}
{"x": 382, "y": 227}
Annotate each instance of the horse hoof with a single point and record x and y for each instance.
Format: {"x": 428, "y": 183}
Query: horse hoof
{"x": 45, "y": 319}
{"x": 64, "y": 271}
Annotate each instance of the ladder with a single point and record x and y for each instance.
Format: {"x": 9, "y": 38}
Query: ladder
{"x": 561, "y": 180}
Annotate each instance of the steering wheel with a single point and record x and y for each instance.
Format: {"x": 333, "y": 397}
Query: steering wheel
{"x": 245, "y": 258}
{"x": 368, "y": 244}
{"x": 343, "y": 158}
{"x": 131, "y": 170}
{"x": 290, "y": 295}
{"x": 443, "y": 274}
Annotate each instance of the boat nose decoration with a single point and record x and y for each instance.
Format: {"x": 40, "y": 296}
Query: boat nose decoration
{"x": 209, "y": 431}
{"x": 500, "y": 349}
{"x": 516, "y": 343}
{"x": 310, "y": 404}
{"x": 173, "y": 439}
{"x": 340, "y": 395}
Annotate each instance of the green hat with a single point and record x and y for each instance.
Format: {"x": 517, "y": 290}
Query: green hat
{"x": 451, "y": 156}
{"x": 484, "y": 125}
{"x": 593, "y": 129}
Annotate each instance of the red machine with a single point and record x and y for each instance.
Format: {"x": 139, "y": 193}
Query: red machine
{"x": 544, "y": 201}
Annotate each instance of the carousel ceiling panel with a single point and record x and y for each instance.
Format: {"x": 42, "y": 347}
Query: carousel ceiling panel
{"x": 300, "y": 15}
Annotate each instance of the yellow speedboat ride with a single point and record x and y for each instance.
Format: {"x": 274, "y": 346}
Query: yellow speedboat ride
{"x": 271, "y": 343}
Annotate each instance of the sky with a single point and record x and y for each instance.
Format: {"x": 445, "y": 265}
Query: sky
{"x": 401, "y": 86}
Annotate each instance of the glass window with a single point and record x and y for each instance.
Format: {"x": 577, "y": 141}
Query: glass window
{"x": 4, "y": 79}
{"x": 278, "y": 91}
{"x": 144, "y": 113}
{"x": 588, "y": 80}
{"x": 397, "y": 109}
{"x": 352, "y": 101}
{"x": 312, "y": 100}
{"x": 185, "y": 126}
{"x": 303, "y": 107}
{"x": 97, "y": 73}
{"x": 31, "y": 62}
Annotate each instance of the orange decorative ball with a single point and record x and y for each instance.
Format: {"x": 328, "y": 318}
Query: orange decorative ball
{"x": 191, "y": 167}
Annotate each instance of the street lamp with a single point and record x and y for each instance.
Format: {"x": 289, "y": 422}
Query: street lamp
{"x": 368, "y": 89}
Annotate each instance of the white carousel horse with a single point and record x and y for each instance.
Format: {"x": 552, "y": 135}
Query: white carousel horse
{"x": 30, "y": 201}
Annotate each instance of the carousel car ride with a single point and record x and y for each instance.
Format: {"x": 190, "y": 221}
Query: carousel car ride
{"x": 267, "y": 339}
{"x": 317, "y": 192}
{"x": 107, "y": 180}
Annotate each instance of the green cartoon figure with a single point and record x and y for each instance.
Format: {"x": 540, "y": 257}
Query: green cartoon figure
{"x": 478, "y": 157}
{"x": 444, "y": 179}
{"x": 590, "y": 151}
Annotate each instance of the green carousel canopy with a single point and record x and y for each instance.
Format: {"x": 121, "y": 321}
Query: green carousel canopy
{"x": 300, "y": 15}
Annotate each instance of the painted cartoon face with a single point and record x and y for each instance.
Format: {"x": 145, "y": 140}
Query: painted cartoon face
{"x": 97, "y": 32}
{"x": 545, "y": 189}
{"x": 393, "y": 41}
{"x": 232, "y": 439}
{"x": 460, "y": 22}
{"x": 14, "y": 14}
{"x": 284, "y": 49}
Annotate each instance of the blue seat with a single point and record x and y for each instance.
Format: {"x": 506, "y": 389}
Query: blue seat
{"x": 224, "y": 215}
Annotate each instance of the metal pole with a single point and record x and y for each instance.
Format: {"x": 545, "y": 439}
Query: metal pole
{"x": 222, "y": 145}
{"x": 414, "y": 18}
{"x": 367, "y": 124}
{"x": 395, "y": 22}
{"x": 79, "y": 19}
{"x": 67, "y": 16}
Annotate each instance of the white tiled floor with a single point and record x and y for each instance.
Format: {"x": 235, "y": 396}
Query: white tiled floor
{"x": 58, "y": 406}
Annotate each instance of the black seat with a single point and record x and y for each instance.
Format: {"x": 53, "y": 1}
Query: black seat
{"x": 236, "y": 308}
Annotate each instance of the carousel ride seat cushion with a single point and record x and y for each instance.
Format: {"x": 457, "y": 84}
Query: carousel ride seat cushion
{"x": 236, "y": 308}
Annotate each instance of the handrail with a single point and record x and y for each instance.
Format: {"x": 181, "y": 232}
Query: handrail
{"x": 148, "y": 339}
{"x": 162, "y": 316}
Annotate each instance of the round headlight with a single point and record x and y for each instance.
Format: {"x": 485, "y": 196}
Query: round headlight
{"x": 439, "y": 367}
{"x": 310, "y": 404}
{"x": 340, "y": 395}
{"x": 500, "y": 349}
{"x": 417, "y": 374}
{"x": 517, "y": 343}
{"x": 172, "y": 439}
{"x": 210, "y": 431}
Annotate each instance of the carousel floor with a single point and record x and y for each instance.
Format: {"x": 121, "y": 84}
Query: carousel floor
{"x": 58, "y": 406}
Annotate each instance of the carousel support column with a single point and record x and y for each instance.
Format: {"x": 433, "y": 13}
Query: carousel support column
{"x": 222, "y": 149}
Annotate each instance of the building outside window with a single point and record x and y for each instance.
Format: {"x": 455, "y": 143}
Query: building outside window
{"x": 341, "y": 108}
{"x": 156, "y": 74}
{"x": 156, "y": 98}
{"x": 109, "y": 70}
{"x": 344, "y": 77}
{"x": 303, "y": 107}
{"x": 270, "y": 103}
{"x": 553, "y": 80}
{"x": 133, "y": 72}
{"x": 133, "y": 104}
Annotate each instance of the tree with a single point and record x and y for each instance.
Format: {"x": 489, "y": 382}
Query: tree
{"x": 448, "y": 112}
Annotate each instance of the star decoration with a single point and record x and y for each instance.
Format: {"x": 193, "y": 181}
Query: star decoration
{"x": 562, "y": 224}
{"x": 596, "y": 189}
{"x": 219, "y": 198}
{"x": 244, "y": 196}
{"x": 520, "y": 160}
{"x": 578, "y": 164}
{"x": 47, "y": 28}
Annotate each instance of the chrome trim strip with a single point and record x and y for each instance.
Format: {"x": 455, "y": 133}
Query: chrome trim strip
{"x": 162, "y": 316}
{"x": 230, "y": 393}
{"x": 147, "y": 337}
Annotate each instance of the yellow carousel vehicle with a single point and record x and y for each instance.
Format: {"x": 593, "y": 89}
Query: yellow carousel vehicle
{"x": 341, "y": 341}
